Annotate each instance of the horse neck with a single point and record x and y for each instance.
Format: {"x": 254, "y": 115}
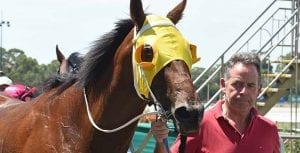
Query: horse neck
{"x": 115, "y": 104}
{"x": 119, "y": 104}
{"x": 119, "y": 109}
{"x": 119, "y": 99}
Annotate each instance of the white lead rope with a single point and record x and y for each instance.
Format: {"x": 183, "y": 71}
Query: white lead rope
{"x": 116, "y": 129}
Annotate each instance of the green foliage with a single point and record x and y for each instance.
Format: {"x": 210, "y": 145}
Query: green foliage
{"x": 26, "y": 70}
{"x": 292, "y": 146}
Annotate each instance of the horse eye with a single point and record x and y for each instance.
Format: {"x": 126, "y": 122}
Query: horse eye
{"x": 147, "y": 53}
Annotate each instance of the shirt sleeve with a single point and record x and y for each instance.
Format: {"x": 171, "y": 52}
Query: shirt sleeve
{"x": 278, "y": 143}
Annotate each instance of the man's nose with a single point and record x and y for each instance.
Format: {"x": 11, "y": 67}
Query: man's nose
{"x": 244, "y": 89}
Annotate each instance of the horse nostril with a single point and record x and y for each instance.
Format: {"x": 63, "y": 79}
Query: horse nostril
{"x": 182, "y": 113}
{"x": 189, "y": 113}
{"x": 188, "y": 118}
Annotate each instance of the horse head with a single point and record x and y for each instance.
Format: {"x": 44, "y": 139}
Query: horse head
{"x": 162, "y": 61}
{"x": 69, "y": 65}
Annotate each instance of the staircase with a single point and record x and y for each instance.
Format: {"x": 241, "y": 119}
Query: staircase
{"x": 280, "y": 85}
{"x": 274, "y": 36}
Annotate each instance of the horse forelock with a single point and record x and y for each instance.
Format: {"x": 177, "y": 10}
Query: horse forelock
{"x": 56, "y": 81}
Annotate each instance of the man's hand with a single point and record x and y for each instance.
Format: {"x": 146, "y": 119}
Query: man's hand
{"x": 159, "y": 130}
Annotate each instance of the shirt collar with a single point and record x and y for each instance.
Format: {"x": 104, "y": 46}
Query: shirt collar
{"x": 217, "y": 110}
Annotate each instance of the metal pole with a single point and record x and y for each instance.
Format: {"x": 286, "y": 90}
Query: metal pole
{"x": 2, "y": 23}
{"x": 1, "y": 42}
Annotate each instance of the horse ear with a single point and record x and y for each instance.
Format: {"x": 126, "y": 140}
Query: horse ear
{"x": 137, "y": 13}
{"x": 176, "y": 13}
{"x": 59, "y": 55}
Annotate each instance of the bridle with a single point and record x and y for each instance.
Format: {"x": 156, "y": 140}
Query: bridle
{"x": 74, "y": 67}
{"x": 159, "y": 110}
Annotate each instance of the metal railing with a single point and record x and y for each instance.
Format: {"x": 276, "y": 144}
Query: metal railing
{"x": 266, "y": 52}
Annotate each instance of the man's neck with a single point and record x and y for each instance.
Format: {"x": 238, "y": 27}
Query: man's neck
{"x": 239, "y": 120}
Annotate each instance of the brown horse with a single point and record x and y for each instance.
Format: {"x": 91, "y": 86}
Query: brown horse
{"x": 69, "y": 65}
{"x": 57, "y": 120}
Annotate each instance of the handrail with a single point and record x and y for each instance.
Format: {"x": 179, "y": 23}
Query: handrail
{"x": 217, "y": 93}
{"x": 234, "y": 42}
{"x": 258, "y": 29}
{"x": 278, "y": 31}
{"x": 212, "y": 98}
{"x": 200, "y": 76}
{"x": 290, "y": 136}
{"x": 208, "y": 79}
{"x": 272, "y": 48}
{"x": 223, "y": 54}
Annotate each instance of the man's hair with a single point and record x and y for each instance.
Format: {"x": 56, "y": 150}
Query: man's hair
{"x": 247, "y": 58}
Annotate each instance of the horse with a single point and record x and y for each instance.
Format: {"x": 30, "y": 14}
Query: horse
{"x": 143, "y": 60}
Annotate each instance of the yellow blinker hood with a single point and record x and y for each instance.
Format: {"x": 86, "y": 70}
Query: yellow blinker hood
{"x": 167, "y": 43}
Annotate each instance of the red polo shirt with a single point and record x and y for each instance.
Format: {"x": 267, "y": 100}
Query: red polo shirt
{"x": 216, "y": 135}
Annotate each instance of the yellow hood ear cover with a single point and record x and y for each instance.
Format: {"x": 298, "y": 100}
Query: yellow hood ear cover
{"x": 168, "y": 44}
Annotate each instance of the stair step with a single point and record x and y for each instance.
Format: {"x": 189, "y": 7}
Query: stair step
{"x": 271, "y": 89}
{"x": 285, "y": 45}
{"x": 285, "y": 61}
{"x": 260, "y": 104}
{"x": 288, "y": 76}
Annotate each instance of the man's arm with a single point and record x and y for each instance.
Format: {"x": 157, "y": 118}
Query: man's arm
{"x": 160, "y": 148}
{"x": 160, "y": 132}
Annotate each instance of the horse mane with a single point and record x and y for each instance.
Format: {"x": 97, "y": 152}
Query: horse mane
{"x": 96, "y": 60}
{"x": 56, "y": 81}
{"x": 53, "y": 82}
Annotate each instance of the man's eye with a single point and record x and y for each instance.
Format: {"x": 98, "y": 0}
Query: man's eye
{"x": 238, "y": 84}
{"x": 251, "y": 85}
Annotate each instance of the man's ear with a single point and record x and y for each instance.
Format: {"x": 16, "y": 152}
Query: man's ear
{"x": 259, "y": 89}
{"x": 222, "y": 84}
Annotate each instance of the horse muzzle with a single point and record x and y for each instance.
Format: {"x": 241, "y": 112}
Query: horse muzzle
{"x": 188, "y": 118}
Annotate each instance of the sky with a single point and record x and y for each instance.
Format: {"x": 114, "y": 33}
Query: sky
{"x": 36, "y": 26}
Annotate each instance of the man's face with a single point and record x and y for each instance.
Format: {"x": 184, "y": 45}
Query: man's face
{"x": 241, "y": 88}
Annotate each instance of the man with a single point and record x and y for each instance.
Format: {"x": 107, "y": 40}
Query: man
{"x": 232, "y": 125}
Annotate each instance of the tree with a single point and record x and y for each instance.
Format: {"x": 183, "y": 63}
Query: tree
{"x": 26, "y": 70}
